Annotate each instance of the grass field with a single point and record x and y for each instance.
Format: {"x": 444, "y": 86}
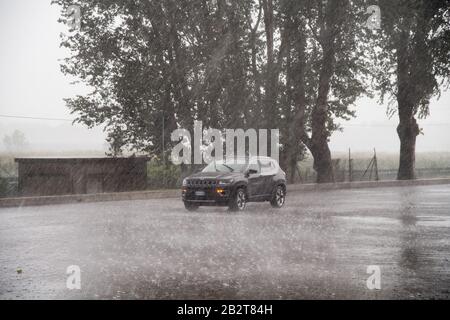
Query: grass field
{"x": 388, "y": 161}
{"x": 428, "y": 165}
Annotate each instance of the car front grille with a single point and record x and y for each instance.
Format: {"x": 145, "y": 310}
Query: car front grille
{"x": 202, "y": 183}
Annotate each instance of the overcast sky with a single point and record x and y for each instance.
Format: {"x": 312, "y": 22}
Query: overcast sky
{"x": 32, "y": 85}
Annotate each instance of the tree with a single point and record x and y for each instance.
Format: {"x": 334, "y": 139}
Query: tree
{"x": 16, "y": 141}
{"x": 326, "y": 73}
{"x": 304, "y": 89}
{"x": 155, "y": 66}
{"x": 158, "y": 65}
{"x": 413, "y": 63}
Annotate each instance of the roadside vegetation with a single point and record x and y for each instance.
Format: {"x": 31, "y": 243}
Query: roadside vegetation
{"x": 297, "y": 65}
{"x": 429, "y": 165}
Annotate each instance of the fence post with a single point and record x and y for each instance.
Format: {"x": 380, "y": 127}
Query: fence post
{"x": 377, "y": 178}
{"x": 350, "y": 167}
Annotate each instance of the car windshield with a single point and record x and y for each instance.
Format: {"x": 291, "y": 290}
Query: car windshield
{"x": 226, "y": 166}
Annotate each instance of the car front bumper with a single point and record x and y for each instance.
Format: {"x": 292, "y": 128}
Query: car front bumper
{"x": 216, "y": 196}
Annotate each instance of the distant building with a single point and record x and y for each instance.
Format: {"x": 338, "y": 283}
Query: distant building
{"x": 63, "y": 176}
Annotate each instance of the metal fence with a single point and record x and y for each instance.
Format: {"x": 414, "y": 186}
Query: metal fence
{"x": 342, "y": 174}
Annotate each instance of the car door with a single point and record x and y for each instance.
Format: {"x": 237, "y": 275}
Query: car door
{"x": 255, "y": 181}
{"x": 268, "y": 172}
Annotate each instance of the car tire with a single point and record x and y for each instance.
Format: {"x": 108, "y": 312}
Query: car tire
{"x": 239, "y": 201}
{"x": 278, "y": 197}
{"x": 190, "y": 206}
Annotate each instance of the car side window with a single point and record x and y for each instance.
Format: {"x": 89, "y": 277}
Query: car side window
{"x": 274, "y": 164}
{"x": 267, "y": 167}
{"x": 254, "y": 166}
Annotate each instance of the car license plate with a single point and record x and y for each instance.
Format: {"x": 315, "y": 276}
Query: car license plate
{"x": 200, "y": 193}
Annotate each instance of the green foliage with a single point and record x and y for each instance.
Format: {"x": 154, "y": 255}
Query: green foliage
{"x": 415, "y": 34}
{"x": 230, "y": 64}
{"x": 7, "y": 170}
{"x": 3, "y": 187}
{"x": 155, "y": 61}
{"x": 160, "y": 177}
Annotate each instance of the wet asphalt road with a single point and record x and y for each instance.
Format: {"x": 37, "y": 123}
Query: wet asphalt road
{"x": 318, "y": 246}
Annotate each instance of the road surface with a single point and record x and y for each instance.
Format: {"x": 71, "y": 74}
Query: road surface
{"x": 319, "y": 246}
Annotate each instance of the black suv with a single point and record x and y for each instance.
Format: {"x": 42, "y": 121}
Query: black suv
{"x": 234, "y": 183}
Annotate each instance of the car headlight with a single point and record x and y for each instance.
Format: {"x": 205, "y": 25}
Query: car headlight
{"x": 185, "y": 182}
{"x": 225, "y": 182}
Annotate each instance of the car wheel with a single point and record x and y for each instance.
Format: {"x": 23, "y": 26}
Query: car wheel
{"x": 279, "y": 197}
{"x": 190, "y": 206}
{"x": 239, "y": 200}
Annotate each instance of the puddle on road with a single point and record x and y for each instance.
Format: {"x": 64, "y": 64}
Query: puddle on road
{"x": 406, "y": 219}
{"x": 371, "y": 220}
{"x": 434, "y": 221}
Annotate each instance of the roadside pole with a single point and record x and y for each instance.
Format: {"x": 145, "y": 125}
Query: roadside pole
{"x": 377, "y": 178}
{"x": 350, "y": 174}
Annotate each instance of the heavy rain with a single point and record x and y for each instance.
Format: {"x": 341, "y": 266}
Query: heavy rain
{"x": 224, "y": 149}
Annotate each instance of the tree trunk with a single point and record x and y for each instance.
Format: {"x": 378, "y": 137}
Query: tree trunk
{"x": 319, "y": 137}
{"x": 288, "y": 161}
{"x": 270, "y": 76}
{"x": 292, "y": 168}
{"x": 319, "y": 117}
{"x": 322, "y": 162}
{"x": 319, "y": 140}
{"x": 407, "y": 131}
{"x": 254, "y": 68}
{"x": 295, "y": 91}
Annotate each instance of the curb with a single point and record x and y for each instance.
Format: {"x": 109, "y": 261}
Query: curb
{"x": 175, "y": 193}
{"x": 86, "y": 198}
{"x": 367, "y": 184}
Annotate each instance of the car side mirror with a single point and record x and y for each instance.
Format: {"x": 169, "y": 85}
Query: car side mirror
{"x": 250, "y": 172}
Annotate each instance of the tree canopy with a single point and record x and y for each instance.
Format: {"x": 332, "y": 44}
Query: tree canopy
{"x": 297, "y": 65}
